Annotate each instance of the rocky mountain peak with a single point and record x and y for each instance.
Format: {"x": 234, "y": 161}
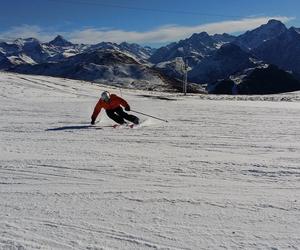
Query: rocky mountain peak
{"x": 60, "y": 41}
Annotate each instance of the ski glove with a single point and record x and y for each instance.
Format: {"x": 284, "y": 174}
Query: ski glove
{"x": 127, "y": 108}
{"x": 93, "y": 122}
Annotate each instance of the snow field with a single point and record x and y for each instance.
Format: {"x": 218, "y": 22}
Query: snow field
{"x": 222, "y": 174}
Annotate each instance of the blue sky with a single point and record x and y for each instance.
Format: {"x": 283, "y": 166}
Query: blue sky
{"x": 152, "y": 22}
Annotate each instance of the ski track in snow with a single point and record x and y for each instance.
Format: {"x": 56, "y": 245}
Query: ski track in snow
{"x": 224, "y": 173}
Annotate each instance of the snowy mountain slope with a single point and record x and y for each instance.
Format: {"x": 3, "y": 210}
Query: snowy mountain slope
{"x": 255, "y": 38}
{"x": 223, "y": 38}
{"x": 34, "y": 50}
{"x": 4, "y": 62}
{"x": 59, "y": 41}
{"x": 105, "y": 66}
{"x": 140, "y": 52}
{"x": 136, "y": 51}
{"x": 226, "y": 61}
{"x": 196, "y": 47}
{"x": 220, "y": 175}
{"x": 173, "y": 68}
{"x": 283, "y": 51}
{"x": 195, "y": 50}
{"x": 268, "y": 80}
{"x": 262, "y": 79}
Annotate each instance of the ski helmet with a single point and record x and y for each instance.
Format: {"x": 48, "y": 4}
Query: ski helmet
{"x": 105, "y": 96}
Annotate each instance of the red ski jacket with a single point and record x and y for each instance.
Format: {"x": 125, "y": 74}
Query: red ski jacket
{"x": 114, "y": 102}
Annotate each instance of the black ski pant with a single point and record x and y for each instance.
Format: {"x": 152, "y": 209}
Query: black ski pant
{"x": 118, "y": 115}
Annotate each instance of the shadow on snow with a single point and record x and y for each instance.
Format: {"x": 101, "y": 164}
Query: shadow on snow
{"x": 70, "y": 128}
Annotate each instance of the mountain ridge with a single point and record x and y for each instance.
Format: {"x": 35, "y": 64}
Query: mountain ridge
{"x": 209, "y": 58}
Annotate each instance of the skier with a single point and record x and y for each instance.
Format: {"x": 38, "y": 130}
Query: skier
{"x": 112, "y": 104}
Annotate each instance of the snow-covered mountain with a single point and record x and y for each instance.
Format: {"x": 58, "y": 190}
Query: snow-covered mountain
{"x": 259, "y": 80}
{"x": 32, "y": 51}
{"x": 4, "y": 62}
{"x": 283, "y": 51}
{"x": 170, "y": 59}
{"x": 269, "y": 80}
{"x": 27, "y": 51}
{"x": 218, "y": 57}
{"x": 173, "y": 68}
{"x": 196, "y": 47}
{"x": 104, "y": 66}
{"x": 254, "y": 38}
{"x": 210, "y": 58}
{"x": 201, "y": 45}
{"x": 59, "y": 41}
{"x": 226, "y": 61}
{"x": 140, "y": 53}
{"x": 207, "y": 63}
{"x": 222, "y": 39}
{"x": 8, "y": 48}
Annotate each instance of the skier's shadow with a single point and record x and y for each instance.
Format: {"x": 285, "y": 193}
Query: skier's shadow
{"x": 70, "y": 128}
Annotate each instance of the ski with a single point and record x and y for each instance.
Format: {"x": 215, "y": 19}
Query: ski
{"x": 126, "y": 125}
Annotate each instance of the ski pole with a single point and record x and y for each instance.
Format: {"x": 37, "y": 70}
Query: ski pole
{"x": 149, "y": 116}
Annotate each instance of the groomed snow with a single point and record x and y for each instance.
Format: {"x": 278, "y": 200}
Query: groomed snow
{"x": 222, "y": 174}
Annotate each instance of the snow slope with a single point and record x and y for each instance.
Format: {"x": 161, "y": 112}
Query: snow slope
{"x": 222, "y": 174}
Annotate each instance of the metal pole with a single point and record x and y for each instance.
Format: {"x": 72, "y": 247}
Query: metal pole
{"x": 149, "y": 116}
{"x": 185, "y": 76}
